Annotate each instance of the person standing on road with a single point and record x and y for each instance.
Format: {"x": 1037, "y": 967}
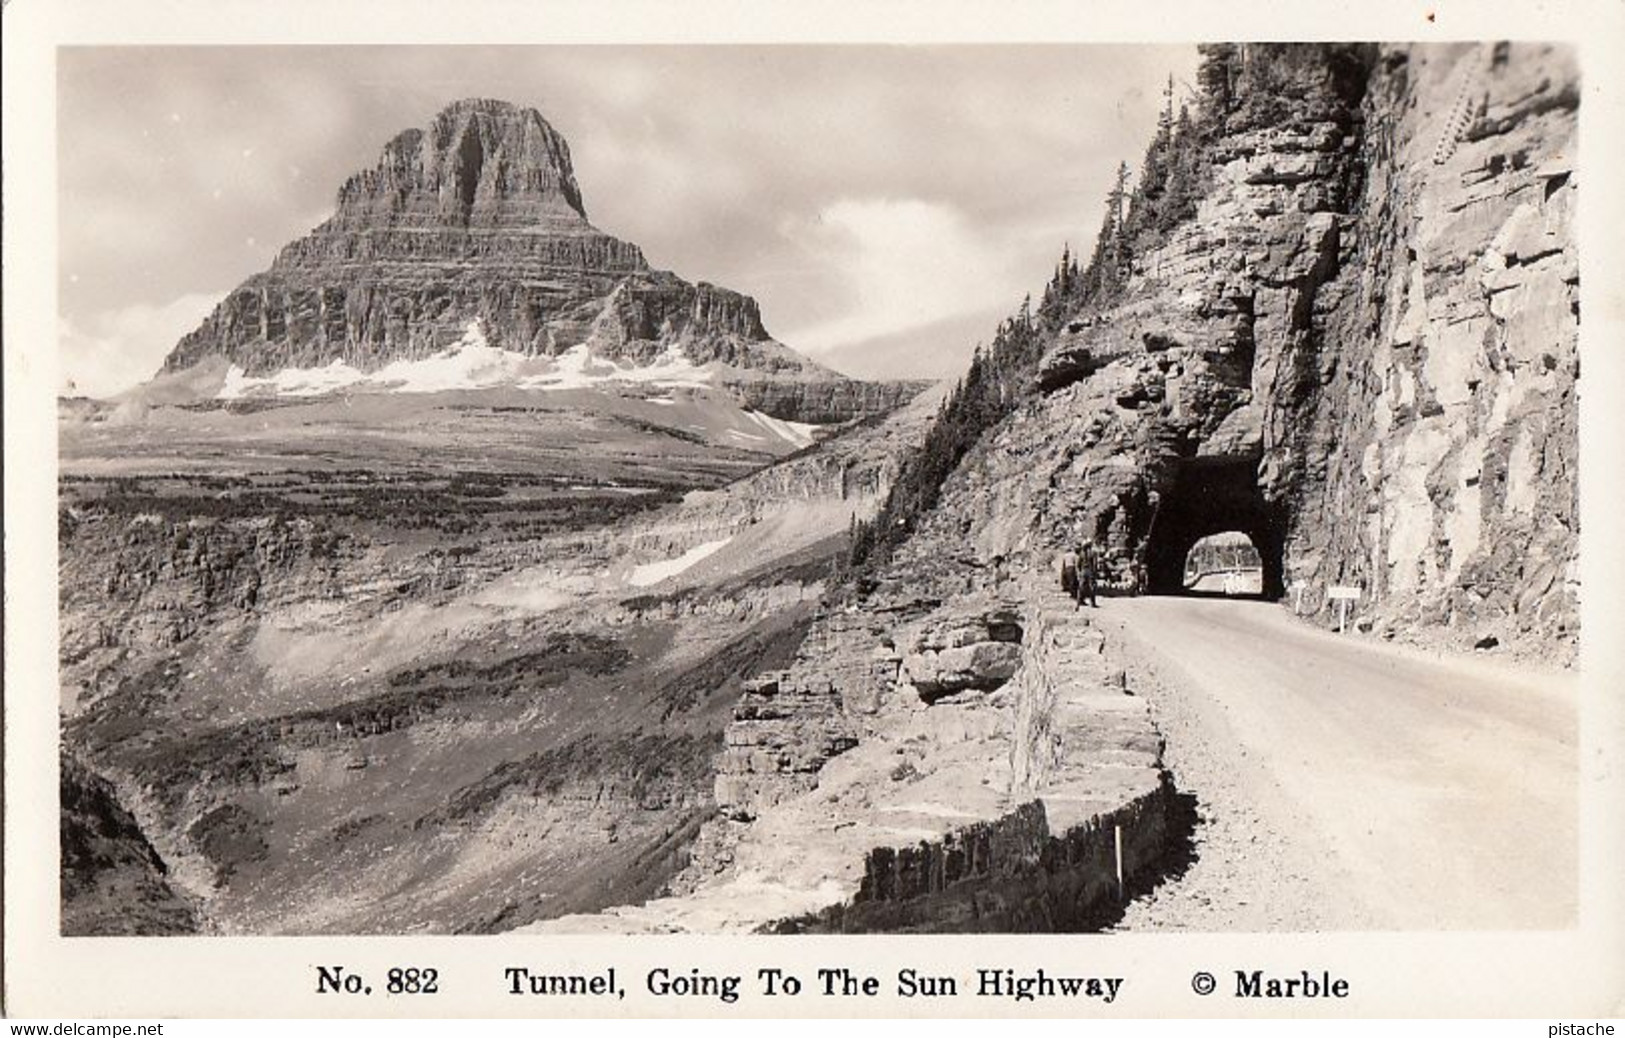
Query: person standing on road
{"x": 1088, "y": 574}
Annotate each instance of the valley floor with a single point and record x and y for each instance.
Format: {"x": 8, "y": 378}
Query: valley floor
{"x": 1343, "y": 783}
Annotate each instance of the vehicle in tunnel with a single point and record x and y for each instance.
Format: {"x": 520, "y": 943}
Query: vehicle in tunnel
{"x": 1210, "y": 498}
{"x": 1224, "y": 564}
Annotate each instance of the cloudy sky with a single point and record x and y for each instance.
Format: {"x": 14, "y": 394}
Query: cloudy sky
{"x": 885, "y": 205}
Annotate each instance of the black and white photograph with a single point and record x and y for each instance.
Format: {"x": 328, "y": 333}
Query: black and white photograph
{"x": 544, "y": 489}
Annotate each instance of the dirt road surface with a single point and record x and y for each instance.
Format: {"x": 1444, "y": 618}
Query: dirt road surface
{"x": 1344, "y": 783}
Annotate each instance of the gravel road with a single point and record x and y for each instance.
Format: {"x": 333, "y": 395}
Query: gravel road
{"x": 1344, "y": 783}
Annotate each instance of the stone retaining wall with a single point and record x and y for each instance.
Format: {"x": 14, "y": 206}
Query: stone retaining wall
{"x": 1006, "y": 876}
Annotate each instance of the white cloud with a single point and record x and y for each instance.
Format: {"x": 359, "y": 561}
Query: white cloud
{"x": 120, "y": 349}
{"x": 907, "y": 263}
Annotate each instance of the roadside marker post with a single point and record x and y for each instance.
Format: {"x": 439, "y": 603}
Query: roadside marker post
{"x": 1342, "y": 595}
{"x": 1117, "y": 833}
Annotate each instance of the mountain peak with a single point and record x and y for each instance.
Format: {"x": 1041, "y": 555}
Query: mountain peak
{"x": 472, "y": 216}
{"x": 479, "y": 164}
{"x": 474, "y": 220}
{"x": 490, "y": 105}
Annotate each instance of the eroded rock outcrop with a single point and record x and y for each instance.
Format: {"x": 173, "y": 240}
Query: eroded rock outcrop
{"x": 852, "y": 805}
{"x": 974, "y": 649}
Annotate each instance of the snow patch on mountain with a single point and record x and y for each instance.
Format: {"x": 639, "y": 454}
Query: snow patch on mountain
{"x": 472, "y": 363}
{"x": 798, "y": 433}
{"x": 578, "y": 367}
{"x": 654, "y": 572}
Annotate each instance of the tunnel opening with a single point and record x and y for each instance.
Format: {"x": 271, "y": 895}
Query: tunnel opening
{"x": 1211, "y": 497}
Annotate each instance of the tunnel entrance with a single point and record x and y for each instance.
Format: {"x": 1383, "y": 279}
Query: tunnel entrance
{"x": 1212, "y": 496}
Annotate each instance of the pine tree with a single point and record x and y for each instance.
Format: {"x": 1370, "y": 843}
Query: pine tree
{"x": 1184, "y": 174}
{"x": 1218, "y": 75}
{"x": 1096, "y": 281}
{"x": 1118, "y": 247}
{"x": 1158, "y": 157}
{"x": 1001, "y": 374}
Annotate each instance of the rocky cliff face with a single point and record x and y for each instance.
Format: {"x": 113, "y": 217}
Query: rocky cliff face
{"x": 927, "y": 765}
{"x": 477, "y": 217}
{"x": 823, "y": 401}
{"x": 1449, "y": 425}
{"x": 1360, "y": 352}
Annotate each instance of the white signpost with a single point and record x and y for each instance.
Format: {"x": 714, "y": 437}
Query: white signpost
{"x": 1342, "y": 596}
{"x": 1296, "y": 587}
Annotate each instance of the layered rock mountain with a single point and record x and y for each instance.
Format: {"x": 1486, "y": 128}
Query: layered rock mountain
{"x": 471, "y": 231}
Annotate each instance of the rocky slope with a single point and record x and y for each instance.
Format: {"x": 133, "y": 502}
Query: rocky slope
{"x": 113, "y": 882}
{"x": 975, "y": 776}
{"x": 1358, "y": 349}
{"x": 476, "y": 221}
{"x": 444, "y": 686}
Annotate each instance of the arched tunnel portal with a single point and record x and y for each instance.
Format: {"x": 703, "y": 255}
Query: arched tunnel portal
{"x": 1209, "y": 496}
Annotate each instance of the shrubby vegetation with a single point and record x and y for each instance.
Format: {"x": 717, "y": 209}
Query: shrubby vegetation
{"x": 514, "y": 507}
{"x": 998, "y": 379}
